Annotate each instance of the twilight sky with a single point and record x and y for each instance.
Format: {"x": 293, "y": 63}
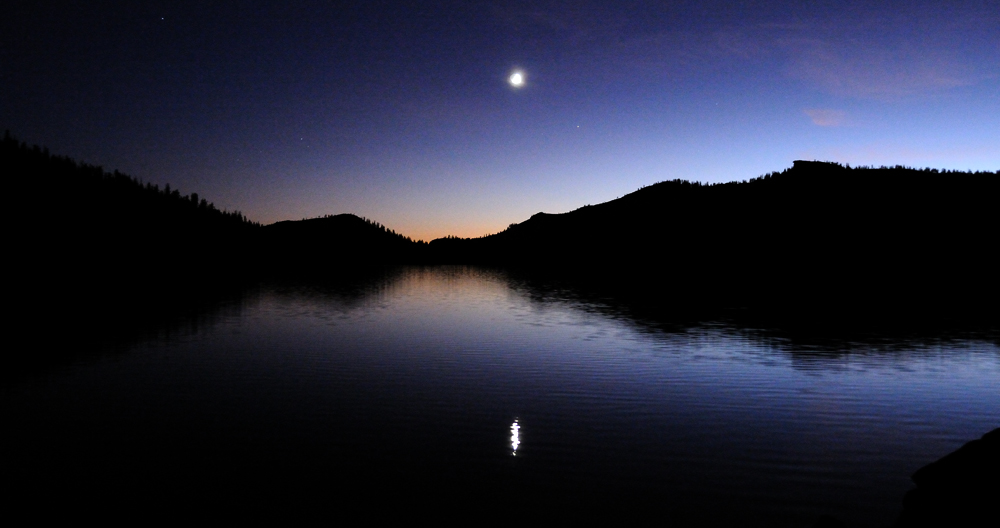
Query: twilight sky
{"x": 402, "y": 111}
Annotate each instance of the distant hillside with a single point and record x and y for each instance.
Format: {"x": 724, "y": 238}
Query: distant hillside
{"x": 84, "y": 227}
{"x": 81, "y": 224}
{"x": 814, "y": 231}
{"x": 98, "y": 258}
{"x": 334, "y": 241}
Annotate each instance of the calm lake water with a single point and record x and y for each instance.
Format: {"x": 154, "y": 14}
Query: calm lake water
{"x": 461, "y": 391}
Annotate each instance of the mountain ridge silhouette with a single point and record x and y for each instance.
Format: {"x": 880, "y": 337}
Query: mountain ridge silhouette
{"x": 812, "y": 233}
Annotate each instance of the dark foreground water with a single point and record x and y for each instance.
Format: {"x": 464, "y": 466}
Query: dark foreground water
{"x": 468, "y": 395}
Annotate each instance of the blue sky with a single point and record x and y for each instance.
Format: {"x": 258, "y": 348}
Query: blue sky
{"x": 401, "y": 111}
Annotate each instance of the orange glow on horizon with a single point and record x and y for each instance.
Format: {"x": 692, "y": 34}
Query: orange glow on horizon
{"x": 430, "y": 232}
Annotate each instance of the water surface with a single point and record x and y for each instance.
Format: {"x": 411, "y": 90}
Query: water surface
{"x": 399, "y": 396}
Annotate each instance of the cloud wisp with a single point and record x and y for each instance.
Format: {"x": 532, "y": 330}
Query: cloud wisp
{"x": 826, "y": 117}
{"x": 875, "y": 72}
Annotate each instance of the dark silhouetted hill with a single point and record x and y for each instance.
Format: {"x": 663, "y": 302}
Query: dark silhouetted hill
{"x": 815, "y": 233}
{"x": 74, "y": 225}
{"x": 98, "y": 258}
{"x": 960, "y": 489}
{"x": 317, "y": 245}
{"x": 82, "y": 227}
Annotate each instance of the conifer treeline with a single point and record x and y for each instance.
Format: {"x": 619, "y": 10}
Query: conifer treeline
{"x": 812, "y": 234}
{"x": 79, "y": 186}
{"x": 79, "y": 226}
{"x": 322, "y": 245}
{"x": 813, "y": 231}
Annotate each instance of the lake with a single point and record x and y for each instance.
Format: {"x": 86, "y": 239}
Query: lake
{"x": 467, "y": 393}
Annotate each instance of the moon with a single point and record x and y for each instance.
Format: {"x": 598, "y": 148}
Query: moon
{"x": 516, "y": 79}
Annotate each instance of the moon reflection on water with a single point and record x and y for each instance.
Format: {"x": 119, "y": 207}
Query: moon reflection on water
{"x": 515, "y": 437}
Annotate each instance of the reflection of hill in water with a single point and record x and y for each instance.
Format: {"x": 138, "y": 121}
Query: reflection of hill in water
{"x": 89, "y": 323}
{"x": 811, "y": 334}
{"x": 270, "y": 416}
{"x": 93, "y": 323}
{"x": 350, "y": 289}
